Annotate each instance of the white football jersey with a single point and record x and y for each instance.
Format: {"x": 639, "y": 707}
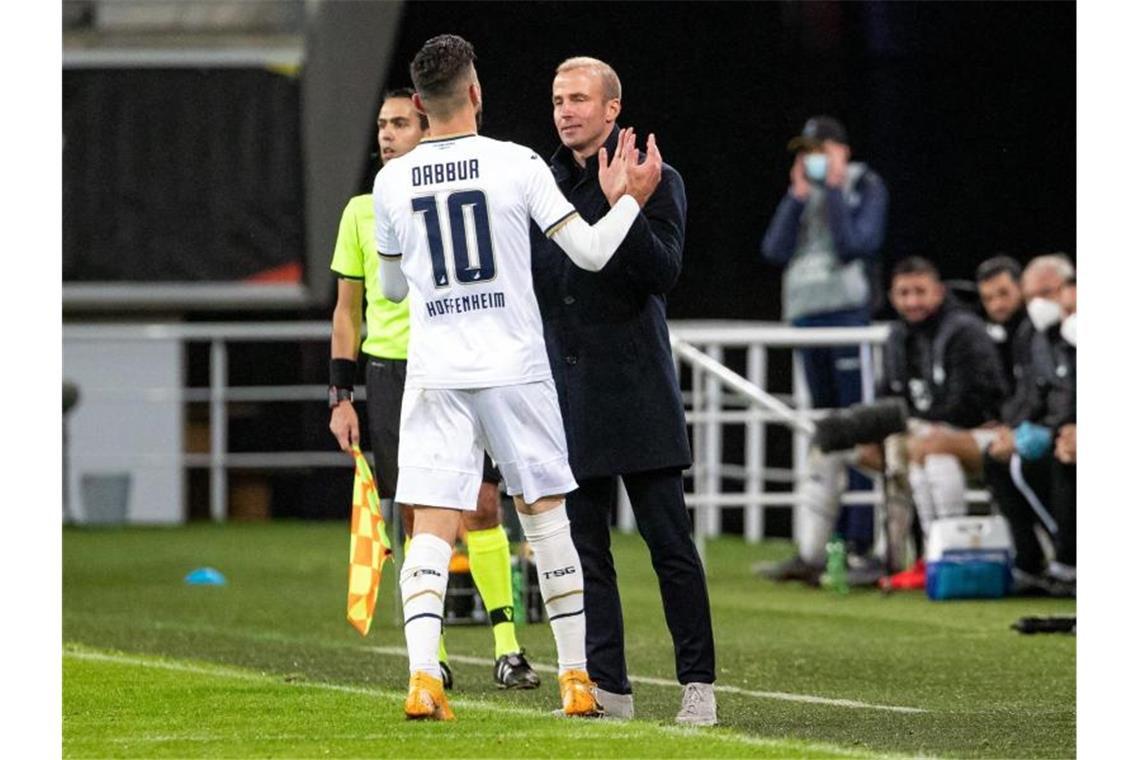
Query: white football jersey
{"x": 457, "y": 211}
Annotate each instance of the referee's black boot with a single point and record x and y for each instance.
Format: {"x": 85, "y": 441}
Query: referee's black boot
{"x": 512, "y": 671}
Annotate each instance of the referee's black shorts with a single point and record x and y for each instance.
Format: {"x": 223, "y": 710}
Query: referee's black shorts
{"x": 385, "y": 381}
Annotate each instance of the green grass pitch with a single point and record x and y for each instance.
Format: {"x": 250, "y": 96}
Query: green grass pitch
{"x": 267, "y": 666}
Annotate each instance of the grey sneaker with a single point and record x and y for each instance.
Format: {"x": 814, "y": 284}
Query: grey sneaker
{"x": 698, "y": 705}
{"x": 618, "y": 706}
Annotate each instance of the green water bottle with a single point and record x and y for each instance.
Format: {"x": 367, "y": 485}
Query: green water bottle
{"x": 836, "y": 576}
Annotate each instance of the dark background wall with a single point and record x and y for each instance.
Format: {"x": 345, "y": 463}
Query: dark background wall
{"x": 968, "y": 111}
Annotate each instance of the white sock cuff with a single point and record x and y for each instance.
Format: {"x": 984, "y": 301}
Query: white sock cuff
{"x": 426, "y": 547}
{"x": 546, "y": 524}
{"x": 425, "y": 550}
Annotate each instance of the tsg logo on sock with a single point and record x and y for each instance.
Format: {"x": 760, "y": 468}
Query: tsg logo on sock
{"x": 427, "y": 571}
{"x": 560, "y": 572}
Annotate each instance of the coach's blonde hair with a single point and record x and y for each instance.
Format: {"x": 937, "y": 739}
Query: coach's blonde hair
{"x": 611, "y": 85}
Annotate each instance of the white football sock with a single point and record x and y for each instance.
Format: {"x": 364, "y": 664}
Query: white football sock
{"x": 423, "y": 584}
{"x": 560, "y": 580}
{"x": 947, "y": 485}
{"x": 817, "y": 508}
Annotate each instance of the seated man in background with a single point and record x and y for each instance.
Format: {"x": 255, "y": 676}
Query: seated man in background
{"x": 1031, "y": 464}
{"x": 940, "y": 360}
{"x": 1012, "y": 333}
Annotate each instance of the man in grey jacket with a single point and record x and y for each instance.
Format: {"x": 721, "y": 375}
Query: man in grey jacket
{"x": 827, "y": 233}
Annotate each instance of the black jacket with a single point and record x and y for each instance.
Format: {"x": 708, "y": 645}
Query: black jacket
{"x": 1052, "y": 380}
{"x": 1014, "y": 341}
{"x": 606, "y": 334}
{"x": 946, "y": 368}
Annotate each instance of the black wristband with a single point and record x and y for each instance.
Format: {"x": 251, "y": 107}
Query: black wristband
{"x": 342, "y": 373}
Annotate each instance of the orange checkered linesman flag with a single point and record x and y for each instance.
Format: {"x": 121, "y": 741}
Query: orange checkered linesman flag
{"x": 368, "y": 546}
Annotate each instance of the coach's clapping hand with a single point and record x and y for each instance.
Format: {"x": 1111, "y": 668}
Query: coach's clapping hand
{"x": 611, "y": 169}
{"x": 642, "y": 179}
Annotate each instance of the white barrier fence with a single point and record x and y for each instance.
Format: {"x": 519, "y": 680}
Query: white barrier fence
{"x": 717, "y": 398}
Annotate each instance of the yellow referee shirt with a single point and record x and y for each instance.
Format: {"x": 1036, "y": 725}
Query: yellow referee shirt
{"x": 355, "y": 258}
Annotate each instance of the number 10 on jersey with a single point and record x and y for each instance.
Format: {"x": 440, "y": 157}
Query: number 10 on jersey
{"x": 462, "y": 206}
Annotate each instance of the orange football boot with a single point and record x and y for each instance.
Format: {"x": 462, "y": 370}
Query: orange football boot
{"x": 426, "y": 700}
{"x": 579, "y": 694}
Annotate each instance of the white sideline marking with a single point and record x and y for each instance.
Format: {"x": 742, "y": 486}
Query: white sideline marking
{"x": 647, "y": 680}
{"x": 585, "y": 727}
{"x": 651, "y": 681}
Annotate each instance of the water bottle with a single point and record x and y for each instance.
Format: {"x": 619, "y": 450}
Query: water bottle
{"x": 836, "y": 576}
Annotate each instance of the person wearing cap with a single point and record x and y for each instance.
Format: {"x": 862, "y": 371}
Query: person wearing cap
{"x": 826, "y": 233}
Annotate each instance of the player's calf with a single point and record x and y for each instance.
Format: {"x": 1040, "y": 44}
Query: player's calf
{"x": 560, "y": 581}
{"x": 423, "y": 584}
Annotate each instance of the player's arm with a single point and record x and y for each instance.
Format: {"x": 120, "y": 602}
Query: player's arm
{"x": 392, "y": 282}
{"x": 592, "y": 247}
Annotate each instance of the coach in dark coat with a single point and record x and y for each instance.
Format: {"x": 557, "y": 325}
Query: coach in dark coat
{"x": 609, "y": 351}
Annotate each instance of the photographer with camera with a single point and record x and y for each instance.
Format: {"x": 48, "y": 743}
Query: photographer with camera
{"x": 941, "y": 363}
{"x": 827, "y": 232}
{"x": 1031, "y": 465}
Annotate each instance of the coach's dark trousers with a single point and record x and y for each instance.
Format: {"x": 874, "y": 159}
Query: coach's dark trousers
{"x": 658, "y": 504}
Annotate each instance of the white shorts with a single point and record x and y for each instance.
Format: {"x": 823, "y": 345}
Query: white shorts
{"x": 443, "y": 433}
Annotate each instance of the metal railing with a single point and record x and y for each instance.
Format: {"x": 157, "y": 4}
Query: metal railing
{"x": 703, "y": 345}
{"x": 717, "y": 397}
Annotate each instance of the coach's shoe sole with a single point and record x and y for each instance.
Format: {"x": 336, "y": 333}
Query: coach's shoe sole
{"x": 579, "y": 695}
{"x": 426, "y": 700}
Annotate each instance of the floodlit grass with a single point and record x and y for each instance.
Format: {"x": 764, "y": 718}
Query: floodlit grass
{"x": 268, "y": 666}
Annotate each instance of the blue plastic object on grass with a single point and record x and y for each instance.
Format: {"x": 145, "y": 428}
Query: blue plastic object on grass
{"x": 969, "y": 575}
{"x": 205, "y": 576}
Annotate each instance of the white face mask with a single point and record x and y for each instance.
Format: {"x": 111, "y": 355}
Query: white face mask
{"x": 1069, "y": 329}
{"x": 815, "y": 167}
{"x": 1043, "y": 313}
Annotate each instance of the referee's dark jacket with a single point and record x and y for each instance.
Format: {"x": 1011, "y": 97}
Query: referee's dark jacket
{"x": 605, "y": 331}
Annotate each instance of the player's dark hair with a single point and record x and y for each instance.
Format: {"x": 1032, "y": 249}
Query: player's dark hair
{"x": 440, "y": 65}
{"x": 916, "y": 265}
{"x": 405, "y": 92}
{"x": 992, "y": 267}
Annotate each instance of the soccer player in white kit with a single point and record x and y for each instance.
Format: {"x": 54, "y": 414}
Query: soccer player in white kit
{"x": 452, "y": 231}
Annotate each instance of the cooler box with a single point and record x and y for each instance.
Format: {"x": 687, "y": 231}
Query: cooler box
{"x": 969, "y": 558}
